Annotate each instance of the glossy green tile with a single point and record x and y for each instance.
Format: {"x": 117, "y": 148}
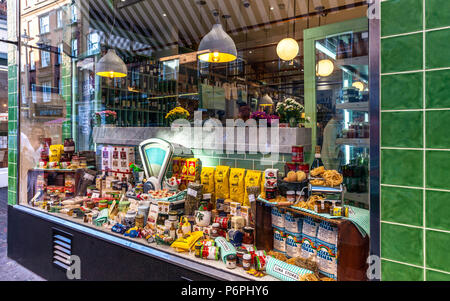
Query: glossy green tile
{"x": 401, "y": 243}
{"x": 437, "y": 43}
{"x": 228, "y": 162}
{"x": 437, "y": 276}
{"x": 262, "y": 165}
{"x": 402, "y": 167}
{"x": 402, "y": 91}
{"x": 279, "y": 166}
{"x": 402, "y": 129}
{"x": 402, "y": 53}
{"x": 438, "y": 89}
{"x": 12, "y": 198}
{"x": 438, "y": 256}
{"x": 402, "y": 205}
{"x": 437, "y": 13}
{"x": 253, "y": 156}
{"x": 438, "y": 166}
{"x": 437, "y": 131}
{"x": 437, "y": 210}
{"x": 401, "y": 16}
{"x": 392, "y": 271}
{"x": 247, "y": 164}
{"x": 236, "y": 156}
{"x": 208, "y": 161}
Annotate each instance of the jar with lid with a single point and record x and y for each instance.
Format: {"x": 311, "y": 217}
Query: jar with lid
{"x": 83, "y": 162}
{"x": 215, "y": 230}
{"x": 248, "y": 238}
{"x": 290, "y": 196}
{"x": 231, "y": 261}
{"x": 207, "y": 200}
{"x": 45, "y": 148}
{"x": 247, "y": 262}
{"x": 69, "y": 147}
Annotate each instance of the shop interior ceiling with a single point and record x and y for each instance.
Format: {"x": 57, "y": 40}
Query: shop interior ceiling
{"x": 157, "y": 25}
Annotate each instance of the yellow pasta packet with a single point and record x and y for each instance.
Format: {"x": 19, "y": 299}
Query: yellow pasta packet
{"x": 237, "y": 184}
{"x": 186, "y": 242}
{"x": 253, "y": 178}
{"x": 55, "y": 152}
{"x": 222, "y": 177}
{"x": 207, "y": 180}
{"x": 263, "y": 189}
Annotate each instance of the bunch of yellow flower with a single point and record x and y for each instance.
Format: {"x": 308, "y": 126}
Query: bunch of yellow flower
{"x": 177, "y": 113}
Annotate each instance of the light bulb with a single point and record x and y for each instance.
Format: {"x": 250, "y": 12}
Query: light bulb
{"x": 287, "y": 49}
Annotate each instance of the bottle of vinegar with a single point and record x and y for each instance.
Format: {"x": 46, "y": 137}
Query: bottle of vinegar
{"x": 317, "y": 159}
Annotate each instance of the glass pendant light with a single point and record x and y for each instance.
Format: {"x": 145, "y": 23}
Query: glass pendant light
{"x": 358, "y": 85}
{"x": 324, "y": 68}
{"x": 219, "y": 46}
{"x": 288, "y": 48}
{"x": 111, "y": 65}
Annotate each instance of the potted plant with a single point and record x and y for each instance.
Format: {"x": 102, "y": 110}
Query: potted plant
{"x": 264, "y": 116}
{"x": 177, "y": 113}
{"x": 260, "y": 115}
{"x": 290, "y": 112}
{"x": 105, "y": 118}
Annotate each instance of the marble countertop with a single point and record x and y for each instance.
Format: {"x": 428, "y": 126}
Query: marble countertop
{"x": 262, "y": 140}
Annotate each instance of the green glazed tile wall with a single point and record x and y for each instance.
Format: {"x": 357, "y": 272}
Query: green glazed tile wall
{"x": 12, "y": 105}
{"x": 415, "y": 144}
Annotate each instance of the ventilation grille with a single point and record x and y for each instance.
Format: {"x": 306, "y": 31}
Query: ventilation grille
{"x": 62, "y": 248}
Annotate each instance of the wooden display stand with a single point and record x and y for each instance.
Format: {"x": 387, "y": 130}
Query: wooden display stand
{"x": 353, "y": 248}
{"x": 55, "y": 177}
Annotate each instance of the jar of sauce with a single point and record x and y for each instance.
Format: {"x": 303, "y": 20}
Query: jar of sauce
{"x": 248, "y": 236}
{"x": 45, "y": 148}
{"x": 290, "y": 196}
{"x": 215, "y": 230}
{"x": 231, "y": 261}
{"x": 69, "y": 147}
{"x": 247, "y": 262}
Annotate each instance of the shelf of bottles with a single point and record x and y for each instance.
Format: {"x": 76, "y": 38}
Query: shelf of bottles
{"x": 143, "y": 98}
{"x": 356, "y": 139}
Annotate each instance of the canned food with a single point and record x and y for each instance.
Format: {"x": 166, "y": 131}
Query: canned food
{"x": 297, "y": 153}
{"x": 211, "y": 253}
{"x": 271, "y": 194}
{"x": 222, "y": 221}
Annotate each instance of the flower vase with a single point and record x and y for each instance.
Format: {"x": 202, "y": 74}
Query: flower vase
{"x": 293, "y": 122}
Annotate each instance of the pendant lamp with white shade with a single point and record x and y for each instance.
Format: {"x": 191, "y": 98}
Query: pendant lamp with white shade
{"x": 288, "y": 48}
{"x": 324, "y": 68}
{"x": 111, "y": 65}
{"x": 218, "y": 45}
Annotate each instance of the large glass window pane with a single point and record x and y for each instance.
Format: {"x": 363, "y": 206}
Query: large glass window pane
{"x": 113, "y": 73}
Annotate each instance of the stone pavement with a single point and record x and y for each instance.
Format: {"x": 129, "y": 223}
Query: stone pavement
{"x": 9, "y": 269}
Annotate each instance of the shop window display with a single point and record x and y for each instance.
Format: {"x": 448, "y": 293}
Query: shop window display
{"x": 86, "y": 154}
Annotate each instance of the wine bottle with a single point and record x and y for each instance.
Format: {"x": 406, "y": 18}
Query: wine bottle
{"x": 317, "y": 159}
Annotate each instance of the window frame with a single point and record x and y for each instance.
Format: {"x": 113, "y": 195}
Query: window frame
{"x": 46, "y": 16}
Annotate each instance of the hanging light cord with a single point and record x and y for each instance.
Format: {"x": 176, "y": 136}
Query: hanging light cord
{"x": 112, "y": 28}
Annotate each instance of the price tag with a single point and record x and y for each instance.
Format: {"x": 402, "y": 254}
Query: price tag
{"x": 251, "y": 198}
{"x": 95, "y": 195}
{"x": 192, "y": 192}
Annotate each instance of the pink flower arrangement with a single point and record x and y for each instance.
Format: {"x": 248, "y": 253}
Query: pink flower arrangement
{"x": 264, "y": 115}
{"x": 106, "y": 113}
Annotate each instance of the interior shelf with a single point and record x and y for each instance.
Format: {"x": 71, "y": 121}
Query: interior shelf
{"x": 354, "y": 141}
{"x": 354, "y": 106}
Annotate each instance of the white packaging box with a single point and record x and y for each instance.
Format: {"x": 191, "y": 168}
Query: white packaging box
{"x": 106, "y": 158}
{"x": 126, "y": 157}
